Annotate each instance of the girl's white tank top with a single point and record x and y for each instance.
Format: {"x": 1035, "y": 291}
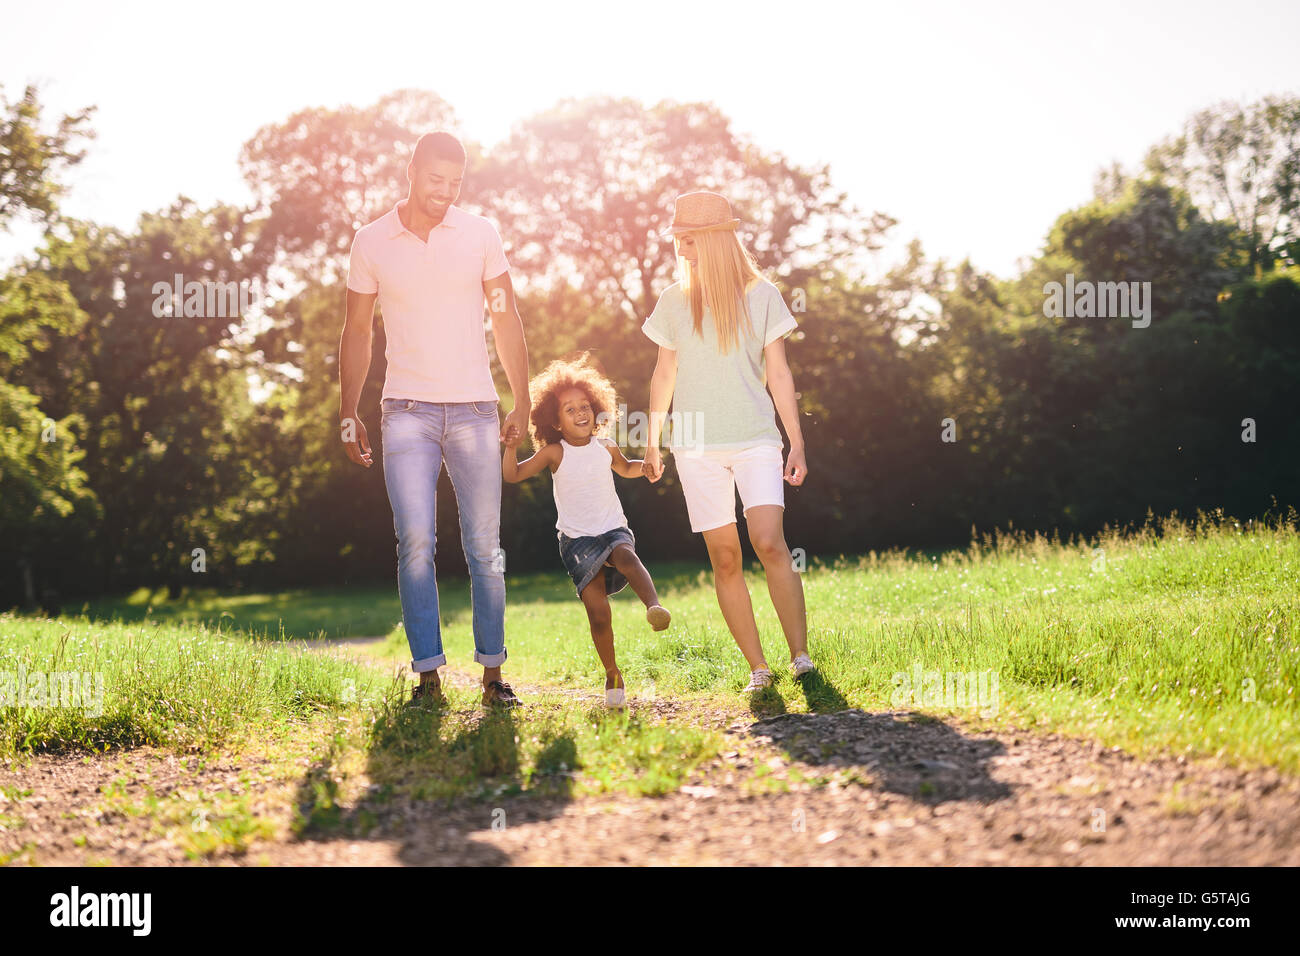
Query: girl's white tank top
{"x": 586, "y": 503}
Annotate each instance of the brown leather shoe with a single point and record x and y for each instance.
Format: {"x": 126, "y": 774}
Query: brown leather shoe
{"x": 428, "y": 694}
{"x": 498, "y": 694}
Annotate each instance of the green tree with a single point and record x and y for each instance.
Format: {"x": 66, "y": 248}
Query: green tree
{"x": 33, "y": 159}
{"x": 1241, "y": 164}
{"x": 324, "y": 173}
{"x": 41, "y": 485}
{"x": 167, "y": 392}
{"x": 582, "y": 191}
{"x": 40, "y": 481}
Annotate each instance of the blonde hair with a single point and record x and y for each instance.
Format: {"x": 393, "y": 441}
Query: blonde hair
{"x": 723, "y": 272}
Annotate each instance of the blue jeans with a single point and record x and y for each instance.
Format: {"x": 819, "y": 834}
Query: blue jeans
{"x": 418, "y": 437}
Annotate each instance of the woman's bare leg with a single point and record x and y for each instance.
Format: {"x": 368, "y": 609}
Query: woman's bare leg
{"x": 767, "y": 535}
{"x": 733, "y": 597}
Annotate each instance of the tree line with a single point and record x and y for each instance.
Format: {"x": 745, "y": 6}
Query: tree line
{"x": 203, "y": 450}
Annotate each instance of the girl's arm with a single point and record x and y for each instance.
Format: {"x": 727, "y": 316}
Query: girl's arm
{"x": 780, "y": 382}
{"x": 621, "y": 466}
{"x": 515, "y": 471}
{"x": 662, "y": 383}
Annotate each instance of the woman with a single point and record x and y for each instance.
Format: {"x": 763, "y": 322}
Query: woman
{"x": 721, "y": 336}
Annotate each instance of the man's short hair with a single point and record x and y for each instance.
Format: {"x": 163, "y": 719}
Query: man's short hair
{"x": 439, "y": 145}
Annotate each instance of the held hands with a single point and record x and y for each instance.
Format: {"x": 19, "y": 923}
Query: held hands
{"x": 652, "y": 466}
{"x": 514, "y": 427}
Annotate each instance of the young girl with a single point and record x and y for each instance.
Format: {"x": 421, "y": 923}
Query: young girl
{"x": 721, "y": 333}
{"x": 572, "y": 403}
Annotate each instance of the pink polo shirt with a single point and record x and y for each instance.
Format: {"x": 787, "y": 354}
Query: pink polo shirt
{"x": 431, "y": 295}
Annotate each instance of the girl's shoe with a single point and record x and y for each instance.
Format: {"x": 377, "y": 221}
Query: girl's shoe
{"x": 759, "y": 679}
{"x": 616, "y": 697}
{"x": 658, "y": 616}
{"x": 802, "y": 665}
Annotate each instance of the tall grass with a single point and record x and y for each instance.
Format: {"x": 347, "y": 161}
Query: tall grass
{"x": 166, "y": 685}
{"x": 1179, "y": 635}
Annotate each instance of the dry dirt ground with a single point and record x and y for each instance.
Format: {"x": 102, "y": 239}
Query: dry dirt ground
{"x": 851, "y": 787}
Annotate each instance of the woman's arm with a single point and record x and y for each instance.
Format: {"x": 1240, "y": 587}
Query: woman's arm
{"x": 515, "y": 471}
{"x": 780, "y": 382}
{"x": 662, "y": 383}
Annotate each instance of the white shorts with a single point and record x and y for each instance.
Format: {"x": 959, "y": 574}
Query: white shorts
{"x": 710, "y": 479}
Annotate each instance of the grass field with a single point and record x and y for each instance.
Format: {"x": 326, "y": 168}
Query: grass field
{"x": 1180, "y": 639}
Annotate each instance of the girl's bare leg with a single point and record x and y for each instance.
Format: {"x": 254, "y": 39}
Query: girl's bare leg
{"x": 733, "y": 597}
{"x": 767, "y": 535}
{"x": 629, "y": 565}
{"x": 602, "y": 628}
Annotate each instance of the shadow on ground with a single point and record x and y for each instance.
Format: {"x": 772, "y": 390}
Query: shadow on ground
{"x": 821, "y": 696}
{"x": 907, "y": 753}
{"x": 436, "y": 780}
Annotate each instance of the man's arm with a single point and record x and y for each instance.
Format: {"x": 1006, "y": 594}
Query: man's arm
{"x": 354, "y": 362}
{"x": 508, "y": 334}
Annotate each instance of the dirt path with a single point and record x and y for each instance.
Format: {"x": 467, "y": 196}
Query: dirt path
{"x": 850, "y": 788}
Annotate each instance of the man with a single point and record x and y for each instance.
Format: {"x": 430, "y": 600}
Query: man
{"x": 430, "y": 266}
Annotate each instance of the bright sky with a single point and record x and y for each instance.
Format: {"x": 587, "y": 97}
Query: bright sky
{"x": 973, "y": 124}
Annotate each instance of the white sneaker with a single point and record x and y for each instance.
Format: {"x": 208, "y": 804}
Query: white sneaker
{"x": 802, "y": 665}
{"x": 759, "y": 679}
{"x": 616, "y": 697}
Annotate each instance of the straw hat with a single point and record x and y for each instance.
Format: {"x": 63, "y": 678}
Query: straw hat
{"x": 700, "y": 212}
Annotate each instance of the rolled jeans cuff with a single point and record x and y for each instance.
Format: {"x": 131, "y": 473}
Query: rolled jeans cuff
{"x": 490, "y": 660}
{"x": 428, "y": 663}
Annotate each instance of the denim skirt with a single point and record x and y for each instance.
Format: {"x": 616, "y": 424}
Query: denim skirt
{"x": 585, "y": 557}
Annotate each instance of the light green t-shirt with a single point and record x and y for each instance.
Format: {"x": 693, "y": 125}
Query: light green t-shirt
{"x": 720, "y": 400}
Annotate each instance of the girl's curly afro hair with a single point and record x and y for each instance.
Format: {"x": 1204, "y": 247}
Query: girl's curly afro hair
{"x": 544, "y": 390}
